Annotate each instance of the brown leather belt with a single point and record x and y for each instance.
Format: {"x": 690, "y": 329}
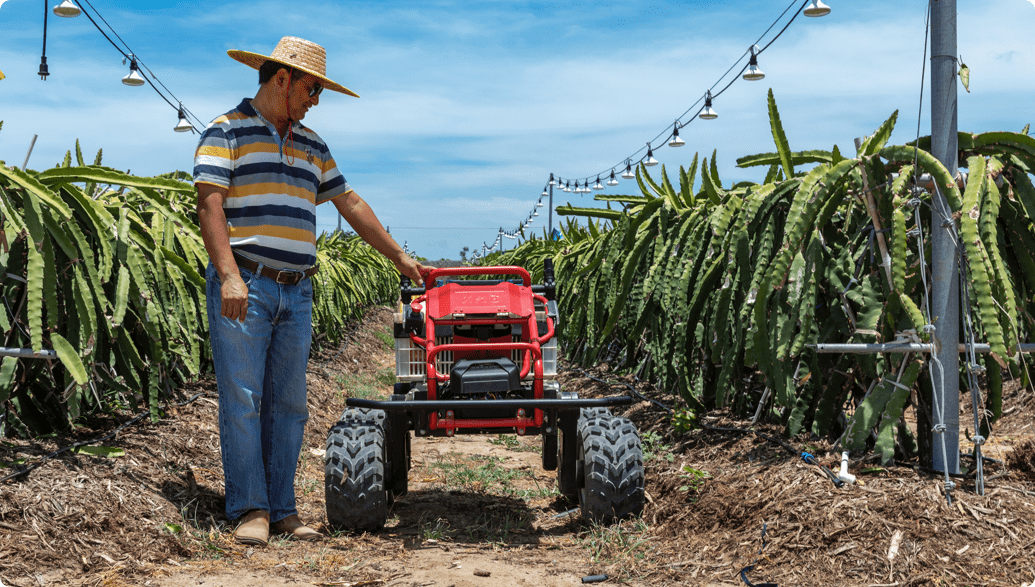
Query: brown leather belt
{"x": 287, "y": 277}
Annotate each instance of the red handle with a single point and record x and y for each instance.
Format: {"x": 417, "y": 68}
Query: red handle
{"x": 502, "y": 270}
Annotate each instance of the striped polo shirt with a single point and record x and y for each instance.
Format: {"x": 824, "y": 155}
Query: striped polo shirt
{"x": 273, "y": 187}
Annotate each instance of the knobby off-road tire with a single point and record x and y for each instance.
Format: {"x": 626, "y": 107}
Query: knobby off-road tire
{"x": 610, "y": 469}
{"x": 568, "y": 425}
{"x": 355, "y": 467}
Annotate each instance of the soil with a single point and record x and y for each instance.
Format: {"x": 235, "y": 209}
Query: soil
{"x": 717, "y": 502}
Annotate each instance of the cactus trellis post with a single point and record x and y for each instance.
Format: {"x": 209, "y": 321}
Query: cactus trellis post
{"x": 945, "y": 270}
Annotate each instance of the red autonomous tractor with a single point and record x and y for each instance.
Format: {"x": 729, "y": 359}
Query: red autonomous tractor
{"x": 480, "y": 357}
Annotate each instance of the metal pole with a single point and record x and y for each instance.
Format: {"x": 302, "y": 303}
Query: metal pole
{"x": 31, "y": 145}
{"x": 27, "y": 353}
{"x": 549, "y": 231}
{"x": 903, "y": 347}
{"x": 945, "y": 269}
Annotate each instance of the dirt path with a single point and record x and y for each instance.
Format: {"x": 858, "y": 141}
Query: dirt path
{"x": 482, "y": 512}
{"x": 472, "y": 518}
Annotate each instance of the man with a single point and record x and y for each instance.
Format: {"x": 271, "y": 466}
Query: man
{"x": 259, "y": 175}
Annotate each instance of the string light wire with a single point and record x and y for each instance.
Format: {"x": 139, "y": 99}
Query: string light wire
{"x": 128, "y": 53}
{"x": 666, "y": 133}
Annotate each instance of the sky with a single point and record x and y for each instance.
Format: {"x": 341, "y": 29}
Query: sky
{"x": 467, "y": 107}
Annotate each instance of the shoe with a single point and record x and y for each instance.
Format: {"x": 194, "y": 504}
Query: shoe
{"x": 253, "y": 528}
{"x": 294, "y": 527}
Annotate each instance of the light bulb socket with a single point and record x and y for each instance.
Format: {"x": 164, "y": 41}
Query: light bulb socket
{"x": 753, "y": 72}
{"x": 182, "y": 125}
{"x": 44, "y": 70}
{"x": 133, "y": 78}
{"x": 676, "y": 141}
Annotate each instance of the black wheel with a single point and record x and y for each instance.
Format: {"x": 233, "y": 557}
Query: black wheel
{"x": 609, "y": 469}
{"x": 355, "y": 489}
{"x": 567, "y": 427}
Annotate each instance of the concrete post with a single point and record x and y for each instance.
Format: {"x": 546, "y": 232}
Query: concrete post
{"x": 945, "y": 304}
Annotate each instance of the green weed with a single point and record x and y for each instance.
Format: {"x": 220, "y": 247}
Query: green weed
{"x": 206, "y": 542}
{"x": 654, "y": 446}
{"x": 385, "y": 336}
{"x": 623, "y": 544}
{"x": 694, "y": 478}
{"x": 436, "y": 530}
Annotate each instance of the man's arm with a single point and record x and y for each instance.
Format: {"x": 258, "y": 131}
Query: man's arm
{"x": 362, "y": 219}
{"x": 233, "y": 291}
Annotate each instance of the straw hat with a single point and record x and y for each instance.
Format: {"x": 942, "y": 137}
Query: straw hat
{"x": 298, "y": 53}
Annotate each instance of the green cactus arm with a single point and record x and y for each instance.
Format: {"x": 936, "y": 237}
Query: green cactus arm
{"x": 875, "y": 142}
{"x": 927, "y": 162}
{"x": 976, "y": 254}
{"x": 780, "y": 137}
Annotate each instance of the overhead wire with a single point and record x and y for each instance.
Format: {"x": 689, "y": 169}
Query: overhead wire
{"x": 128, "y": 53}
{"x": 670, "y": 130}
{"x": 663, "y": 133}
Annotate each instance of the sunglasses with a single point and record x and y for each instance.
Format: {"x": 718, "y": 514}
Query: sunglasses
{"x": 315, "y": 90}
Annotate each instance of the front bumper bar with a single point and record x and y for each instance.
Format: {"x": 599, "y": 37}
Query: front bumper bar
{"x": 512, "y": 404}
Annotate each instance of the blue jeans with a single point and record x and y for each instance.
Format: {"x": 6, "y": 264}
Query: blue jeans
{"x": 260, "y": 369}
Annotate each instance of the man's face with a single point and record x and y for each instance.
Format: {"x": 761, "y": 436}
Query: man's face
{"x": 300, "y": 100}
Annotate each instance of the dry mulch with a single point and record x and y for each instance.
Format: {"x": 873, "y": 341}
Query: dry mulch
{"x": 144, "y": 517}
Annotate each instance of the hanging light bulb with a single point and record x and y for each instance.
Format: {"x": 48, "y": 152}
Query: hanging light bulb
{"x": 567, "y": 186}
{"x": 545, "y": 193}
{"x": 676, "y": 141}
{"x": 817, "y": 8}
{"x": 535, "y": 213}
{"x": 68, "y": 9}
{"x": 539, "y": 204}
{"x": 708, "y": 113}
{"x": 598, "y": 185}
{"x": 183, "y": 125}
{"x": 628, "y": 173}
{"x": 585, "y": 188}
{"x": 133, "y": 78}
{"x": 612, "y": 181}
{"x": 552, "y": 180}
{"x": 753, "y": 73}
{"x": 650, "y": 161}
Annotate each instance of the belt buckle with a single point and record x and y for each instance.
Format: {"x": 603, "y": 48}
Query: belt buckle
{"x": 292, "y": 277}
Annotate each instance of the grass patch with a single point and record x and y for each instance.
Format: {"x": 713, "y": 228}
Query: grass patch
{"x": 436, "y": 530}
{"x": 624, "y": 545}
{"x": 385, "y": 336}
{"x": 464, "y": 474}
{"x": 501, "y": 527}
{"x": 512, "y": 442}
{"x": 365, "y": 385}
{"x": 213, "y": 542}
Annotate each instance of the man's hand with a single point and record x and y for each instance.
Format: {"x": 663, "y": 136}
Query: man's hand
{"x": 234, "y": 298}
{"x": 412, "y": 269}
{"x": 233, "y": 293}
